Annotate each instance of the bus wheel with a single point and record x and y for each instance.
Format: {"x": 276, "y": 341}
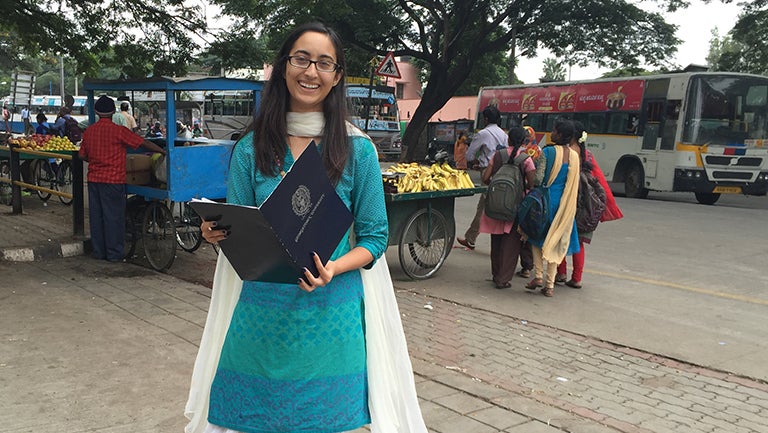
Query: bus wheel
{"x": 707, "y": 197}
{"x": 633, "y": 184}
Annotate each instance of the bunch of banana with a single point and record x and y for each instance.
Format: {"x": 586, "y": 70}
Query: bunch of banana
{"x": 437, "y": 177}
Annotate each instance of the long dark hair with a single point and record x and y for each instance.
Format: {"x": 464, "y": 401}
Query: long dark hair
{"x": 269, "y": 125}
{"x": 517, "y": 136}
{"x": 579, "y": 130}
{"x": 565, "y": 131}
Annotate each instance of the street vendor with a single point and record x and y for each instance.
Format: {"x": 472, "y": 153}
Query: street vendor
{"x": 104, "y": 148}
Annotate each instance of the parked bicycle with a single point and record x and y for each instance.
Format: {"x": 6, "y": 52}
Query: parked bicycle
{"x": 54, "y": 174}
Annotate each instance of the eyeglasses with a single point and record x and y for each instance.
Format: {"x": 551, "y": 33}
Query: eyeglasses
{"x": 321, "y": 65}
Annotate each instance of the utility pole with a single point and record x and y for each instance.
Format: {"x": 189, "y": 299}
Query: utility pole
{"x": 61, "y": 77}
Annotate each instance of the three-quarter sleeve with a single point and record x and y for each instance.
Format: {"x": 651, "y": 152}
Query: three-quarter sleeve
{"x": 241, "y": 171}
{"x": 367, "y": 197}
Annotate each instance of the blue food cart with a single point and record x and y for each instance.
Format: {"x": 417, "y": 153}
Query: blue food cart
{"x": 195, "y": 167}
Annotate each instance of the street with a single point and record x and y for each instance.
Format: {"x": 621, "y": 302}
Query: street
{"x": 666, "y": 334}
{"x": 672, "y": 277}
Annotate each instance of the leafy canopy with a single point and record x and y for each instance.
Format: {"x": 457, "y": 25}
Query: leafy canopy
{"x": 137, "y": 37}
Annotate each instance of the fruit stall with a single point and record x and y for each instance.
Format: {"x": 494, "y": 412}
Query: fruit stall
{"x": 420, "y": 202}
{"x": 53, "y": 169}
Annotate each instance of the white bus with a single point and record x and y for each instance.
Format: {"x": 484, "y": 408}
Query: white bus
{"x": 701, "y": 132}
{"x": 383, "y": 118}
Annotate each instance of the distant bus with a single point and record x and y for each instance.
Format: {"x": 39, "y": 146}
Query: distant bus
{"x": 383, "y": 125}
{"x": 227, "y": 114}
{"x": 700, "y": 132}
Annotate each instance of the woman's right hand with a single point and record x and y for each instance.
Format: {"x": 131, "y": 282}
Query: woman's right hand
{"x": 211, "y": 233}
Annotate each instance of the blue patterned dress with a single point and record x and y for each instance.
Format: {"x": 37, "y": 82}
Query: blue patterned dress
{"x": 295, "y": 361}
{"x": 555, "y": 195}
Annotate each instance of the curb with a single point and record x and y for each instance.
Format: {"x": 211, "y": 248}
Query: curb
{"x": 43, "y": 252}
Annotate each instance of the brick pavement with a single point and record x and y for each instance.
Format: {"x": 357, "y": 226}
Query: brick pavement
{"x": 476, "y": 370}
{"x": 576, "y": 378}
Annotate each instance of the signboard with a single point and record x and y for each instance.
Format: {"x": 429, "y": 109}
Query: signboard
{"x": 604, "y": 96}
{"x": 22, "y": 88}
{"x": 388, "y": 66}
{"x": 363, "y": 92}
{"x": 356, "y": 80}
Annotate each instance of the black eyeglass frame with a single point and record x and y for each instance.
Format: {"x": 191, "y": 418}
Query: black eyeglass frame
{"x": 336, "y": 66}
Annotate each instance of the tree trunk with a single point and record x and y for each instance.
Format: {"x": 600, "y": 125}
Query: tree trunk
{"x": 440, "y": 88}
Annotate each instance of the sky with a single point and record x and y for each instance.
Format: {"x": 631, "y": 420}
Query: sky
{"x": 695, "y": 25}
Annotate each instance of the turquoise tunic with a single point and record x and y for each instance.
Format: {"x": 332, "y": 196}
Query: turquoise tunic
{"x": 294, "y": 361}
{"x": 555, "y": 195}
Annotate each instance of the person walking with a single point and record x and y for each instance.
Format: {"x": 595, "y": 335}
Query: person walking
{"x": 25, "y": 118}
{"x": 558, "y": 168}
{"x": 526, "y": 253}
{"x": 487, "y": 141}
{"x": 7, "y": 118}
{"x": 130, "y": 122}
{"x": 43, "y": 127}
{"x": 506, "y": 242}
{"x": 104, "y": 148}
{"x": 612, "y": 212}
{"x": 460, "y": 151}
{"x": 295, "y": 357}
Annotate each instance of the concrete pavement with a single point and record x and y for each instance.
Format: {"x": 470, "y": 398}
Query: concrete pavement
{"x": 87, "y": 346}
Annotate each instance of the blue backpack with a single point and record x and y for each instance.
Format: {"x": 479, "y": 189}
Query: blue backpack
{"x": 533, "y": 213}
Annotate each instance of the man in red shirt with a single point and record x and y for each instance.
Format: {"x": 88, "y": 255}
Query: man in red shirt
{"x": 104, "y": 147}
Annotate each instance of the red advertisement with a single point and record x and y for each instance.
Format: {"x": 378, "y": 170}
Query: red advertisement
{"x": 626, "y": 95}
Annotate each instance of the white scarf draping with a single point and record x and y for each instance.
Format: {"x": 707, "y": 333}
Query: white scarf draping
{"x": 312, "y": 124}
{"x": 558, "y": 238}
{"x": 392, "y": 399}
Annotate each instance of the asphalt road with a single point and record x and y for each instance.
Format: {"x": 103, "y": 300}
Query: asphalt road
{"x": 672, "y": 277}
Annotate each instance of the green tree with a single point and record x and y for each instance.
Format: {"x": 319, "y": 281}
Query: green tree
{"x": 744, "y": 48}
{"x": 452, "y": 36}
{"x": 144, "y": 37}
{"x": 554, "y": 70}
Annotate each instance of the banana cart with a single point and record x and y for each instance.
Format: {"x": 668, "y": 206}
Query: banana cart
{"x": 422, "y": 226}
{"x": 157, "y": 214}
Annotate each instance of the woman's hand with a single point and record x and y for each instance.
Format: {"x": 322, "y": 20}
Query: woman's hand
{"x": 211, "y": 233}
{"x": 309, "y": 283}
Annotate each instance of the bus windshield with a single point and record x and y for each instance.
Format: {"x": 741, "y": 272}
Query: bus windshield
{"x": 382, "y": 109}
{"x": 726, "y": 110}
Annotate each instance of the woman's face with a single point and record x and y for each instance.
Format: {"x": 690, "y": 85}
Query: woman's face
{"x": 309, "y": 87}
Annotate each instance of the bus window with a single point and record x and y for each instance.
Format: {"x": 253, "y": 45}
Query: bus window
{"x": 594, "y": 123}
{"x": 535, "y": 121}
{"x": 622, "y": 123}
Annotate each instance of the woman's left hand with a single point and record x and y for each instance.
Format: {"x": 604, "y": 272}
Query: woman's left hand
{"x": 309, "y": 283}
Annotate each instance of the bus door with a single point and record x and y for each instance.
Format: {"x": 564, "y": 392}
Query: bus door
{"x": 658, "y": 126}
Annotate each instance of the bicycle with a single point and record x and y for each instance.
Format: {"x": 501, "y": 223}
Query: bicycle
{"x": 54, "y": 174}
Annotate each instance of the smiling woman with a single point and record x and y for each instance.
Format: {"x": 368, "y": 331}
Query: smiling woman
{"x": 296, "y": 356}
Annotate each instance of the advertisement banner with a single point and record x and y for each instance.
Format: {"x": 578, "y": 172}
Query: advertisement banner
{"x": 625, "y": 95}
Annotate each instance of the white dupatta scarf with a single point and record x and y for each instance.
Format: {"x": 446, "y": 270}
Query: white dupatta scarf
{"x": 392, "y": 399}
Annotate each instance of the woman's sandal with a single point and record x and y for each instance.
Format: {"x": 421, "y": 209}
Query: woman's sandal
{"x": 548, "y": 291}
{"x": 536, "y": 282}
{"x": 504, "y": 286}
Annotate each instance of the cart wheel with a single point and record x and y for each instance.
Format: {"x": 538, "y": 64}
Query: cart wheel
{"x": 425, "y": 242}
{"x": 43, "y": 174}
{"x": 187, "y": 226}
{"x": 6, "y": 191}
{"x": 159, "y": 236}
{"x": 64, "y": 181}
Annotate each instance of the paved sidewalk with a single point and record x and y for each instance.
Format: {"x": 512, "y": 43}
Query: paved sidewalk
{"x": 87, "y": 346}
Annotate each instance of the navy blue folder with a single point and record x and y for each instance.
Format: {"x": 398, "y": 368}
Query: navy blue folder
{"x": 274, "y": 242}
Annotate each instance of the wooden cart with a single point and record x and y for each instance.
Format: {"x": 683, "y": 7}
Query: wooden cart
{"x": 422, "y": 226}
